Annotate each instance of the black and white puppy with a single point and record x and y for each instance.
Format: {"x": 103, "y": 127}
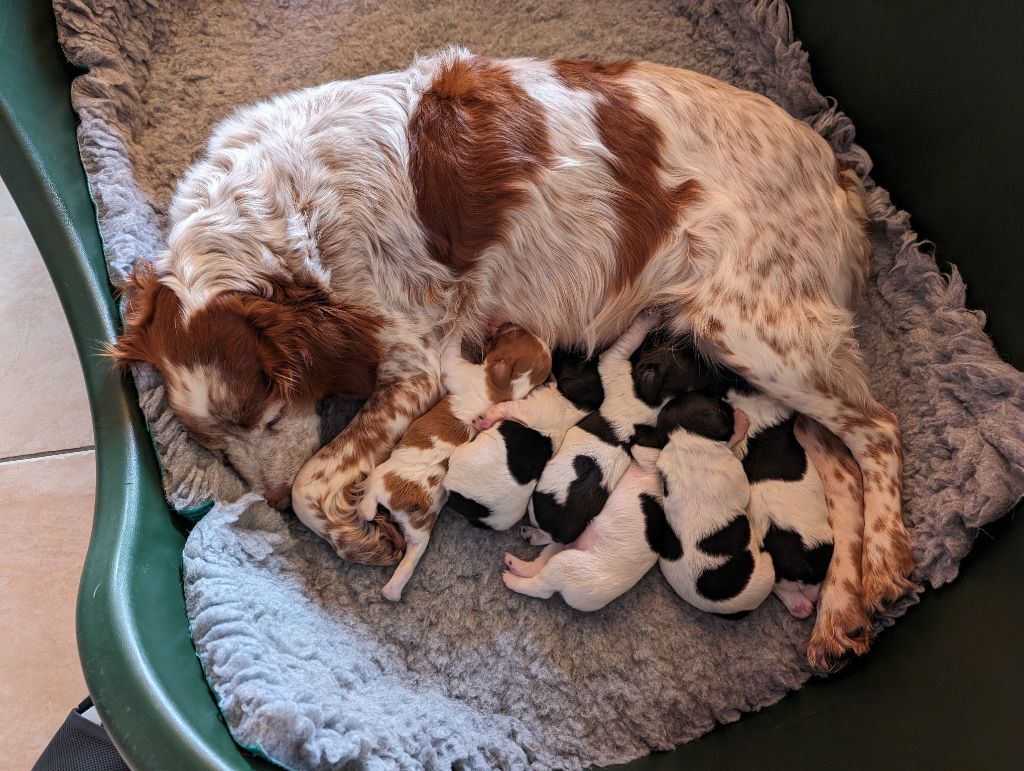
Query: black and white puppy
{"x": 491, "y": 478}
{"x": 787, "y": 500}
{"x": 612, "y": 554}
{"x": 710, "y": 555}
{"x": 639, "y": 373}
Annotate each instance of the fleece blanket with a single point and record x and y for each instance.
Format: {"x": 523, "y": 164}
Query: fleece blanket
{"x": 309, "y": 664}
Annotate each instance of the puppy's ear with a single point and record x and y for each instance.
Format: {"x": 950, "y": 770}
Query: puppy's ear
{"x": 649, "y": 381}
{"x": 142, "y": 293}
{"x": 311, "y": 346}
{"x": 536, "y": 362}
{"x": 499, "y": 374}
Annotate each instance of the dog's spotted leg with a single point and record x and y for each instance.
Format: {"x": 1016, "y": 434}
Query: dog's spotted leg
{"x": 842, "y": 624}
{"x": 326, "y": 489}
{"x": 805, "y": 356}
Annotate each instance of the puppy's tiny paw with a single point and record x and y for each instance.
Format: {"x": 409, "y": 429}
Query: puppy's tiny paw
{"x": 801, "y": 608}
{"x": 483, "y": 422}
{"x": 391, "y": 593}
{"x": 516, "y": 566}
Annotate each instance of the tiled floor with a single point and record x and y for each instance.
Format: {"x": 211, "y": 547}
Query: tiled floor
{"x": 46, "y": 486}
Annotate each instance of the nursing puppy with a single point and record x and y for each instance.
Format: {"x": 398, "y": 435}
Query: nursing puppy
{"x": 613, "y": 553}
{"x": 787, "y": 500}
{"x": 576, "y": 483}
{"x": 491, "y": 478}
{"x": 408, "y": 486}
{"x": 714, "y": 561}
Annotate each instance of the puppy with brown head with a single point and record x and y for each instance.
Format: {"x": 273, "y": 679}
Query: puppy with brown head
{"x": 409, "y": 486}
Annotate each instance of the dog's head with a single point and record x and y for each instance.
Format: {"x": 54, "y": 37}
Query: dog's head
{"x": 243, "y": 372}
{"x": 664, "y": 366}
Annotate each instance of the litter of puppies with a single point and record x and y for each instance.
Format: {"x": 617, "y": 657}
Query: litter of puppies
{"x": 642, "y": 454}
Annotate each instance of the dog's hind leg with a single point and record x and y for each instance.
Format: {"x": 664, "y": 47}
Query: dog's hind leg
{"x": 529, "y": 569}
{"x": 803, "y": 354}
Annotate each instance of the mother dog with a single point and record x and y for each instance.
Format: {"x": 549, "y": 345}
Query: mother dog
{"x": 331, "y": 238}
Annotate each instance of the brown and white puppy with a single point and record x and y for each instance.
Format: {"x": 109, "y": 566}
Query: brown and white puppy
{"x": 490, "y": 480}
{"x": 408, "y": 486}
{"x": 329, "y": 237}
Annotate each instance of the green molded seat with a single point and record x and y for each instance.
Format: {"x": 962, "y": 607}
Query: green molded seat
{"x": 925, "y": 83}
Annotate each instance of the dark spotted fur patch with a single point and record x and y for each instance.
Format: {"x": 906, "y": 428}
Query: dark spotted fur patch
{"x": 473, "y": 511}
{"x": 660, "y": 536}
{"x": 793, "y": 561}
{"x": 646, "y": 436}
{"x": 586, "y": 497}
{"x": 597, "y": 425}
{"x": 775, "y": 454}
{"x": 527, "y": 451}
{"x": 728, "y": 580}
{"x": 577, "y": 378}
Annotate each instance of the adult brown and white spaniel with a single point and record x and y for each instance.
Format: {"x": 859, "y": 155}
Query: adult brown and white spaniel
{"x": 331, "y": 238}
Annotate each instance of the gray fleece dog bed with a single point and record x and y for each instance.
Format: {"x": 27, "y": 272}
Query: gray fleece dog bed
{"x": 309, "y": 664}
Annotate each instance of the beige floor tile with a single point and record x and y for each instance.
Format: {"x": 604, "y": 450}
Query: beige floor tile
{"x": 44, "y": 532}
{"x": 42, "y": 394}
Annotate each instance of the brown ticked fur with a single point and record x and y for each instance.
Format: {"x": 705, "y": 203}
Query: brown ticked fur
{"x": 842, "y": 625}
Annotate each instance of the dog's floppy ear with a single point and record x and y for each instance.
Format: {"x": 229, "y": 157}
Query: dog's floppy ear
{"x": 310, "y": 346}
{"x": 142, "y": 293}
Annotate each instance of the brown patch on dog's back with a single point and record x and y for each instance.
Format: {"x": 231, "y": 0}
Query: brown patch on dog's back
{"x": 646, "y": 210}
{"x": 413, "y": 499}
{"x": 405, "y": 494}
{"x": 438, "y": 424}
{"x": 475, "y": 138}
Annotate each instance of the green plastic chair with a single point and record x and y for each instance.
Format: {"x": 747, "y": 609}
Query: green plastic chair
{"x": 941, "y": 689}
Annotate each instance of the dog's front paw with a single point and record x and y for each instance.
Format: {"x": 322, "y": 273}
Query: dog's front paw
{"x": 392, "y": 593}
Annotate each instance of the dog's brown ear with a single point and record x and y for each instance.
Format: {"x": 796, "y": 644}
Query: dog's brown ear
{"x": 312, "y": 347}
{"x": 142, "y": 292}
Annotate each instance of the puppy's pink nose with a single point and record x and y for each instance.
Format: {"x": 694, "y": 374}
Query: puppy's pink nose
{"x": 279, "y": 497}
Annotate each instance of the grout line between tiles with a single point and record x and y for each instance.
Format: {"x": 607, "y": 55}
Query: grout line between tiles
{"x": 48, "y": 453}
